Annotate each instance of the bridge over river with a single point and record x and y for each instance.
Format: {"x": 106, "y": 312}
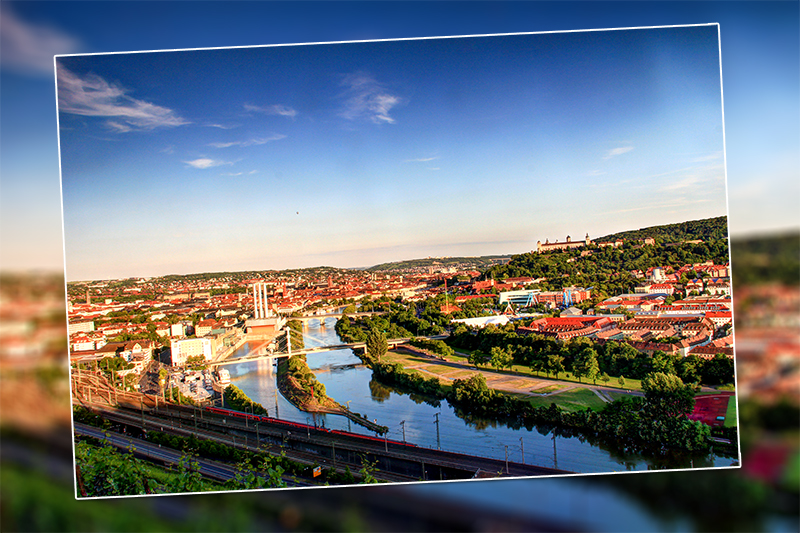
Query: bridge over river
{"x": 323, "y": 316}
{"x": 255, "y": 356}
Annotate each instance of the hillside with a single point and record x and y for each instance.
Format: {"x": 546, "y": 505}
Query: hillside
{"x": 708, "y": 229}
{"x": 477, "y": 263}
{"x": 608, "y": 269}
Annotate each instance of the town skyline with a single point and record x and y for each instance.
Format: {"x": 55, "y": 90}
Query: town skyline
{"x": 356, "y": 268}
{"x": 356, "y": 154}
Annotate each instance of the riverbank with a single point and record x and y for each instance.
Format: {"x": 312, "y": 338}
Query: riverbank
{"x": 297, "y": 383}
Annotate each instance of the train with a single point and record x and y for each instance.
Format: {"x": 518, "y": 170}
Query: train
{"x": 300, "y": 426}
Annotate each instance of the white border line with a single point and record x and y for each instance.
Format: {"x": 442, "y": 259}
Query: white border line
{"x": 727, "y": 215}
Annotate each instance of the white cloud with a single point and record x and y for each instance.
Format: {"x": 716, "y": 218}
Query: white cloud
{"x": 116, "y": 126}
{"x": 250, "y": 142}
{"x": 221, "y": 126}
{"x": 699, "y": 178}
{"x": 277, "y": 109}
{"x": 95, "y": 97}
{"x": 617, "y": 151}
{"x": 686, "y": 183}
{"x": 710, "y": 157}
{"x": 204, "y": 162}
{"x": 30, "y": 48}
{"x": 365, "y": 98}
{"x": 421, "y": 160}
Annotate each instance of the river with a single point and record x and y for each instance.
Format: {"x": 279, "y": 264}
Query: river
{"x": 412, "y": 418}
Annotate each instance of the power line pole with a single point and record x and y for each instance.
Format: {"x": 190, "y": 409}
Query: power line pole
{"x": 438, "y": 440}
{"x": 522, "y": 447}
{"x": 555, "y": 457}
{"x": 403, "y": 425}
{"x": 506, "y": 458}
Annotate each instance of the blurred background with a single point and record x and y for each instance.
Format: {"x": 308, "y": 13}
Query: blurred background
{"x": 760, "y": 55}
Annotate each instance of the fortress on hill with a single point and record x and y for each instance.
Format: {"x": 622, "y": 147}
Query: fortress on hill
{"x": 549, "y": 246}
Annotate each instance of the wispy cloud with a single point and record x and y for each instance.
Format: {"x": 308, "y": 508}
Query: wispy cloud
{"x": 204, "y": 162}
{"x": 695, "y": 178}
{"x": 29, "y": 48}
{"x": 710, "y": 157}
{"x": 594, "y": 173}
{"x": 617, "y": 151}
{"x": 234, "y": 174}
{"x": 421, "y": 160}
{"x": 277, "y": 109}
{"x": 95, "y": 97}
{"x": 365, "y": 98}
{"x": 222, "y": 126}
{"x": 250, "y": 142}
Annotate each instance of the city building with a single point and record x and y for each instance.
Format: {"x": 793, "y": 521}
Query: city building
{"x": 182, "y": 349}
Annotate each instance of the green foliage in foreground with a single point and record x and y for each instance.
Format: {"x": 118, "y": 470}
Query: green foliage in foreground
{"x": 104, "y": 471}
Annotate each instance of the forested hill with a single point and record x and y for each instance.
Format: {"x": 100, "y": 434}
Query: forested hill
{"x": 608, "y": 269}
{"x": 708, "y": 229}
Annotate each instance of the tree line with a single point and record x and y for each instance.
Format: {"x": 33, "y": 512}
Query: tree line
{"x": 502, "y": 347}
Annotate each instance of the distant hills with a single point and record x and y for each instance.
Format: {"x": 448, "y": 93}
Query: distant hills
{"x": 476, "y": 263}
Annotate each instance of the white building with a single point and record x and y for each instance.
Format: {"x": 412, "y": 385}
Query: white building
{"x": 80, "y": 326}
{"x": 483, "y": 321}
{"x": 182, "y": 349}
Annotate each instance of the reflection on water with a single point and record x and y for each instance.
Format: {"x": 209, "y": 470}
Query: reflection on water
{"x": 427, "y": 422}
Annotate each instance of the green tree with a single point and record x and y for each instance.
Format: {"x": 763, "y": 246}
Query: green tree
{"x": 663, "y": 362}
{"x": 478, "y": 358}
{"x": 666, "y": 396}
{"x": 586, "y": 364}
{"x": 500, "y": 358}
{"x": 555, "y": 363}
{"x": 377, "y": 345}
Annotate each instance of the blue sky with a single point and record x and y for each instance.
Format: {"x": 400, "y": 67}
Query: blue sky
{"x": 760, "y": 68}
{"x": 353, "y": 154}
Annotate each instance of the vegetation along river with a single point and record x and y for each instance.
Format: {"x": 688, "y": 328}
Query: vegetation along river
{"x": 346, "y": 381}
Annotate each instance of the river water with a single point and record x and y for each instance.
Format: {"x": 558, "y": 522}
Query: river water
{"x": 410, "y": 417}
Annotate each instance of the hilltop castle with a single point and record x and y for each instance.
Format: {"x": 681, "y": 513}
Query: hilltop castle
{"x": 569, "y": 244}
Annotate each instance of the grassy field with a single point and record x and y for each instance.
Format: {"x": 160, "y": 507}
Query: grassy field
{"x": 630, "y": 384}
{"x": 549, "y": 388}
{"x": 730, "y": 414}
{"x": 572, "y": 400}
